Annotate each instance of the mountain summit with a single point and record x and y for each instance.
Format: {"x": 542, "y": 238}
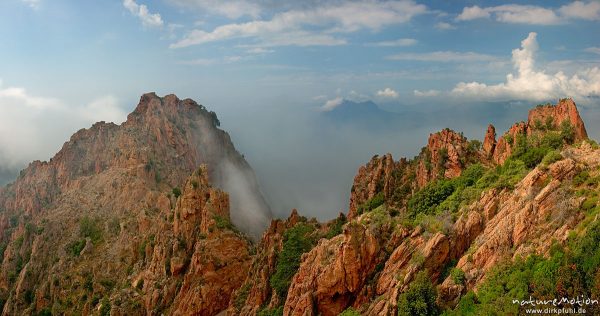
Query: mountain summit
{"x": 107, "y": 191}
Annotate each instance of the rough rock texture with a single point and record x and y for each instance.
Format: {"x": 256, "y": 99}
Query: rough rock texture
{"x": 375, "y": 259}
{"x": 505, "y": 145}
{"x": 379, "y": 175}
{"x": 200, "y": 260}
{"x": 540, "y": 119}
{"x": 447, "y": 153}
{"x": 565, "y": 110}
{"x": 443, "y": 156}
{"x": 333, "y": 273}
{"x": 80, "y": 227}
{"x": 256, "y": 291}
{"x": 104, "y": 227}
{"x": 489, "y": 141}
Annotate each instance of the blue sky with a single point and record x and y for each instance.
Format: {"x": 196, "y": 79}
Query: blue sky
{"x": 77, "y": 50}
{"x": 65, "y": 64}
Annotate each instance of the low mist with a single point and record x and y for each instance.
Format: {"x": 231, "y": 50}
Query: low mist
{"x": 305, "y": 161}
{"x": 248, "y": 210}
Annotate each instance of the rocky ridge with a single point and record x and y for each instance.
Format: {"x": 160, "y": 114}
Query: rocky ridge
{"x": 512, "y": 212}
{"x": 138, "y": 235}
{"x": 79, "y": 232}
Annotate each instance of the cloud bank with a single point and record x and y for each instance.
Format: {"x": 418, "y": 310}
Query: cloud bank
{"x": 528, "y": 83}
{"x": 141, "y": 11}
{"x": 34, "y": 128}
{"x": 387, "y": 93}
{"x": 530, "y": 14}
{"x": 297, "y": 27}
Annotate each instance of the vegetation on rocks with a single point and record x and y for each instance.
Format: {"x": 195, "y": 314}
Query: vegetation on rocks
{"x": 296, "y": 241}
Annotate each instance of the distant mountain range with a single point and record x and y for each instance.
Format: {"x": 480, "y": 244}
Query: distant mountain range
{"x": 367, "y": 114}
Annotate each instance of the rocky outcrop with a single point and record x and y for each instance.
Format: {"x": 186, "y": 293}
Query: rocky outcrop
{"x": 489, "y": 141}
{"x": 447, "y": 153}
{"x": 256, "y": 291}
{"x": 94, "y": 213}
{"x": 379, "y": 175}
{"x": 501, "y": 224}
{"x": 552, "y": 116}
{"x": 197, "y": 264}
{"x": 332, "y": 275}
{"x": 443, "y": 157}
{"x": 541, "y": 119}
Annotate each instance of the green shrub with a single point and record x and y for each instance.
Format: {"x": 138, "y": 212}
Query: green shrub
{"x": 466, "y": 306}
{"x": 224, "y": 223}
{"x": 176, "y": 192}
{"x": 533, "y": 156}
{"x": 446, "y": 194}
{"x": 581, "y": 177}
{"x": 296, "y": 241}
{"x": 551, "y": 157}
{"x": 372, "y": 203}
{"x": 90, "y": 228}
{"x": 105, "y": 309}
{"x": 550, "y": 123}
{"x": 567, "y": 272}
{"x": 420, "y": 297}
{"x": 45, "y": 312}
{"x": 457, "y": 275}
{"x": 508, "y": 139}
{"x": 18, "y": 242}
{"x": 504, "y": 176}
{"x": 474, "y": 146}
{"x": 589, "y": 203}
{"x": 29, "y": 296}
{"x": 74, "y": 248}
{"x": 276, "y": 311}
{"x": 425, "y": 200}
{"x": 552, "y": 140}
{"x": 88, "y": 283}
{"x": 241, "y": 297}
{"x": 349, "y": 312}
{"x": 567, "y": 132}
{"x": 335, "y": 228}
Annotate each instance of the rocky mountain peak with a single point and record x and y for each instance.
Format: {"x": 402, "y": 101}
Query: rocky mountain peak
{"x": 442, "y": 156}
{"x": 542, "y": 120}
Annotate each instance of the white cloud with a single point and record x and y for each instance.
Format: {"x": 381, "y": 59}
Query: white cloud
{"x": 472, "y": 13}
{"x": 594, "y": 50}
{"x": 29, "y": 129}
{"x": 332, "y": 104}
{"x": 232, "y": 9}
{"x": 211, "y": 61}
{"x": 141, "y": 11}
{"x": 34, "y": 4}
{"x": 387, "y": 93}
{"x": 259, "y": 50}
{"x": 357, "y": 96}
{"x": 199, "y": 62}
{"x": 297, "y": 27}
{"x": 581, "y": 10}
{"x": 395, "y": 43}
{"x": 530, "y": 14}
{"x": 444, "y": 26}
{"x": 525, "y": 14}
{"x": 428, "y": 93}
{"x": 231, "y": 59}
{"x": 443, "y": 56}
{"x": 531, "y": 84}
